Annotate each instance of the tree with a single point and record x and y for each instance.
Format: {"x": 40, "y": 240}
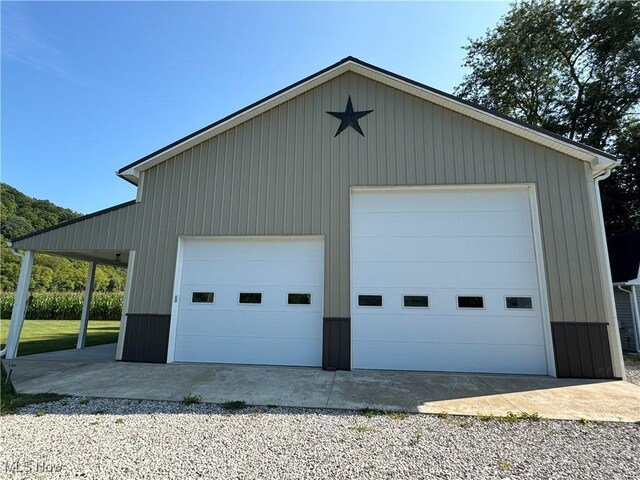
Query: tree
{"x": 621, "y": 192}
{"x": 572, "y": 67}
{"x": 19, "y": 215}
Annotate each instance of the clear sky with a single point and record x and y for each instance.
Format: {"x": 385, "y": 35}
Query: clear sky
{"x": 90, "y": 87}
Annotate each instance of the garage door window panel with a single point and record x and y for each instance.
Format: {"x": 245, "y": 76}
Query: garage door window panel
{"x": 470, "y": 302}
{"x": 202, "y": 297}
{"x": 303, "y": 299}
{"x": 415, "y": 301}
{"x": 250, "y": 298}
{"x": 519, "y": 303}
{"x": 370, "y": 300}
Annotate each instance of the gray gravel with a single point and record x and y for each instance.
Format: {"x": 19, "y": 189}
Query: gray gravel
{"x": 632, "y": 366}
{"x": 100, "y": 439}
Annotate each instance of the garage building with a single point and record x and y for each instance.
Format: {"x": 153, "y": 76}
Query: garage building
{"x": 359, "y": 219}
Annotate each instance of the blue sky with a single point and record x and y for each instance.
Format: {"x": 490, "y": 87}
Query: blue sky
{"x": 90, "y": 87}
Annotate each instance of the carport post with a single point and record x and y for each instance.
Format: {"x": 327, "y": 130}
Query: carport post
{"x": 86, "y": 305}
{"x": 19, "y": 304}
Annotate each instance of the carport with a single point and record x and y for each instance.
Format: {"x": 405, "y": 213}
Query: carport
{"x": 86, "y": 238}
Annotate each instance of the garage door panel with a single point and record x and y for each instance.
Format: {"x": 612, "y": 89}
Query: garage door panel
{"x": 274, "y": 298}
{"x": 450, "y": 357}
{"x": 442, "y": 249}
{"x": 485, "y": 329}
{"x": 440, "y": 201}
{"x": 233, "y": 323}
{"x": 248, "y": 249}
{"x": 267, "y": 351}
{"x": 373, "y": 275}
{"x": 254, "y": 272}
{"x": 459, "y": 224}
{"x": 442, "y": 301}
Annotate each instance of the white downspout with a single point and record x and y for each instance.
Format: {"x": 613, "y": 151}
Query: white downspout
{"x": 634, "y": 314}
{"x": 605, "y": 269}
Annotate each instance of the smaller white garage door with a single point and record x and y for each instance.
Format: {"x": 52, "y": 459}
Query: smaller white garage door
{"x": 251, "y": 300}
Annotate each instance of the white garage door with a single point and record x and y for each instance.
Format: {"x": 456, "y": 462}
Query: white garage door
{"x": 445, "y": 280}
{"x": 252, "y": 300}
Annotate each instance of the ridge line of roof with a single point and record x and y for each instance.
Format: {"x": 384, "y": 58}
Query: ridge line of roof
{"x": 74, "y": 220}
{"x": 393, "y": 75}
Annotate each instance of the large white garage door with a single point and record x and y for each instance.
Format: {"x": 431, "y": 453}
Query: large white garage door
{"x": 253, "y": 300}
{"x": 445, "y": 280}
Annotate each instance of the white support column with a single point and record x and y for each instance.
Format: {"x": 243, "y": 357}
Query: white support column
{"x": 86, "y": 305}
{"x": 125, "y": 304}
{"x": 19, "y": 304}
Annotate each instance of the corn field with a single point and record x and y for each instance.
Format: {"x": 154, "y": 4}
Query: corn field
{"x": 65, "y": 306}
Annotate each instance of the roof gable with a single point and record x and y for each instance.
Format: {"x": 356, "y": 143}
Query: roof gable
{"x": 598, "y": 159}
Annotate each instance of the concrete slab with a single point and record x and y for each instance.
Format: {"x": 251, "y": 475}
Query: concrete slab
{"x": 460, "y": 394}
{"x": 261, "y": 385}
{"x": 571, "y": 399}
{"x": 256, "y": 385}
{"x": 83, "y": 373}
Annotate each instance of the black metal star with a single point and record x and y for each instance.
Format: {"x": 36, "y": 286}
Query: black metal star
{"x": 349, "y": 118}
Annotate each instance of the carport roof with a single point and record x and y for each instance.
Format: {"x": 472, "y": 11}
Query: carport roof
{"x": 74, "y": 220}
{"x": 91, "y": 251}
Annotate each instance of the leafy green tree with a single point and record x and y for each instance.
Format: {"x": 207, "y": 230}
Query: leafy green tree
{"x": 9, "y": 269}
{"x": 572, "y": 67}
{"x": 621, "y": 192}
{"x": 19, "y": 215}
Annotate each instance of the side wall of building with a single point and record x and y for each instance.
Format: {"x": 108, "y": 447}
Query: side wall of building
{"x": 284, "y": 173}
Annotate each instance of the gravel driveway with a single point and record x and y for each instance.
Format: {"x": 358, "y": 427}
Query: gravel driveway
{"x": 633, "y": 370}
{"x": 99, "y": 438}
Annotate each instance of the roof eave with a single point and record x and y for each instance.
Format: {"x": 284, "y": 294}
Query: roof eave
{"x": 601, "y": 164}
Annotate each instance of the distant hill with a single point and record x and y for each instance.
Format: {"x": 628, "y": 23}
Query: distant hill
{"x": 21, "y": 214}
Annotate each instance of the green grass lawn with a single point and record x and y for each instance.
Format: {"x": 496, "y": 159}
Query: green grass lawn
{"x": 50, "y": 335}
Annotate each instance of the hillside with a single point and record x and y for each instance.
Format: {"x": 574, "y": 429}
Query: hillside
{"x": 21, "y": 214}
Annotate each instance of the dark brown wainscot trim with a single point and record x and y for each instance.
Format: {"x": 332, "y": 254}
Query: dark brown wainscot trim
{"x": 336, "y": 343}
{"x": 146, "y": 338}
{"x": 582, "y": 350}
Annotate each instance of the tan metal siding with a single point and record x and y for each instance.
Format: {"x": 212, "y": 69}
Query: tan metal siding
{"x": 284, "y": 173}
